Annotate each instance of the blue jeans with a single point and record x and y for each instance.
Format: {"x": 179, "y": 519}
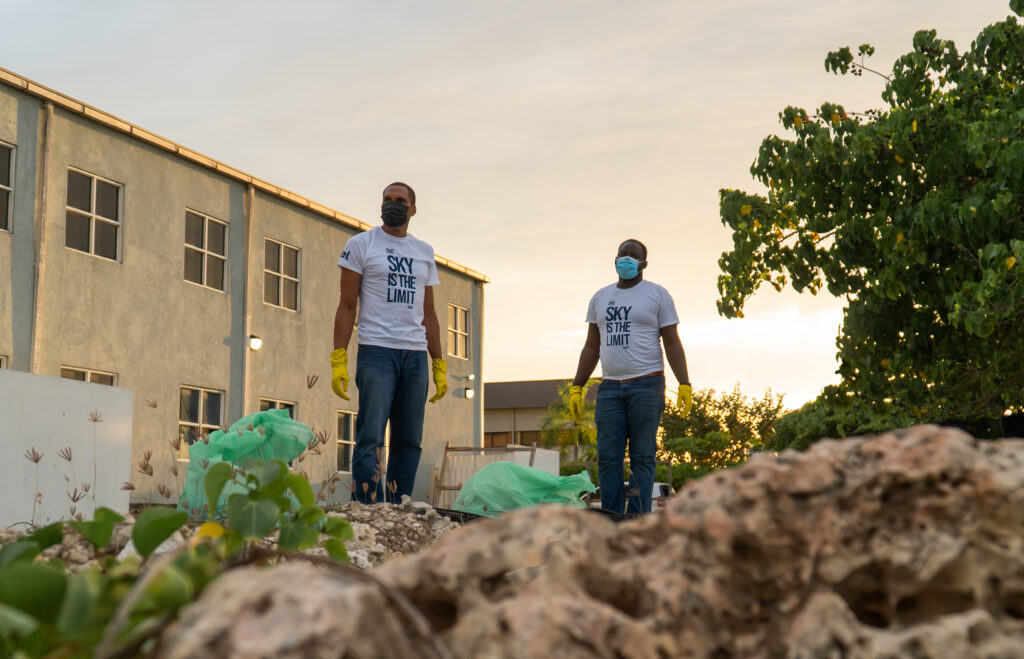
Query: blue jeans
{"x": 628, "y": 413}
{"x": 392, "y": 386}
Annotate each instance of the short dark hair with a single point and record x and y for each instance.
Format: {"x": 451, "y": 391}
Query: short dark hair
{"x": 412, "y": 193}
{"x": 643, "y": 247}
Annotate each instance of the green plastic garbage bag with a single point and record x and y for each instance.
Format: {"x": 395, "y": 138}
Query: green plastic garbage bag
{"x": 269, "y": 435}
{"x": 503, "y": 486}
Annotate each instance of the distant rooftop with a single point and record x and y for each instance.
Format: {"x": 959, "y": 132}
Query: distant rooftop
{"x": 525, "y": 393}
{"x": 110, "y": 121}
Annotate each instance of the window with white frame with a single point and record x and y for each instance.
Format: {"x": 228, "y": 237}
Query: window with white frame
{"x": 205, "y": 250}
{"x": 281, "y": 275}
{"x": 346, "y": 440}
{"x": 271, "y": 404}
{"x": 200, "y": 412}
{"x": 93, "y": 215}
{"x": 88, "y": 375}
{"x": 458, "y": 331}
{"x": 6, "y": 185}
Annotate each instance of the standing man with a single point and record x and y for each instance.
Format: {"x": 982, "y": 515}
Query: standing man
{"x": 627, "y": 319}
{"x": 392, "y": 276}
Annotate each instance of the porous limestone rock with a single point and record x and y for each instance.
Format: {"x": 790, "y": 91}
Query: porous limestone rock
{"x": 906, "y": 544}
{"x": 910, "y": 543}
{"x": 296, "y": 610}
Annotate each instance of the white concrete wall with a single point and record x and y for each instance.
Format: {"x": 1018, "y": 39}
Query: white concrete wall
{"x": 51, "y": 414}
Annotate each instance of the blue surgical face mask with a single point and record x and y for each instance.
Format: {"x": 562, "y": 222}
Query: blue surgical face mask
{"x": 627, "y": 267}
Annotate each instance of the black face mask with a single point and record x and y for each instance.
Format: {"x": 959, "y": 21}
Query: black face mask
{"x": 394, "y": 213}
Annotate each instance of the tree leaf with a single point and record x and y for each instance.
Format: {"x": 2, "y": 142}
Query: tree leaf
{"x": 34, "y": 588}
{"x": 339, "y": 527}
{"x": 154, "y": 525}
{"x": 77, "y": 610}
{"x": 14, "y": 622}
{"x": 310, "y": 515}
{"x": 252, "y": 518}
{"x": 19, "y": 550}
{"x": 99, "y": 531}
{"x": 216, "y": 478}
{"x": 336, "y": 550}
{"x": 296, "y": 535}
{"x": 300, "y": 486}
{"x": 48, "y": 536}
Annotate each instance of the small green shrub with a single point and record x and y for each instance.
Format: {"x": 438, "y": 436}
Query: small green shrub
{"x": 120, "y": 606}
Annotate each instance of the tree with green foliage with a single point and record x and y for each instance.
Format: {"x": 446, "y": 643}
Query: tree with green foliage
{"x": 721, "y": 431}
{"x": 560, "y": 428}
{"x": 914, "y": 215}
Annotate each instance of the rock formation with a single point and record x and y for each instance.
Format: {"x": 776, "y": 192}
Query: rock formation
{"x": 907, "y": 544}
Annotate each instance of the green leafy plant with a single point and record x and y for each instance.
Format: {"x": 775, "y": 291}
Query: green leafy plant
{"x": 117, "y": 607}
{"x": 559, "y": 428}
{"x": 721, "y": 431}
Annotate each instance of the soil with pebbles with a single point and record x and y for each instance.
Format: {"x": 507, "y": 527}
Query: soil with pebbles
{"x": 382, "y": 531}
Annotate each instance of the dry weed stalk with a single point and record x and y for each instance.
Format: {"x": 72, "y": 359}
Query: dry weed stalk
{"x": 34, "y": 456}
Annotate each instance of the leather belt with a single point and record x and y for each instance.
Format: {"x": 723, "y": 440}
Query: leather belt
{"x": 639, "y": 377}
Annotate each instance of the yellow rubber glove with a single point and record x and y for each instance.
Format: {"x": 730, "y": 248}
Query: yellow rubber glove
{"x": 576, "y": 403}
{"x": 684, "y": 398}
{"x": 440, "y": 368}
{"x": 339, "y": 372}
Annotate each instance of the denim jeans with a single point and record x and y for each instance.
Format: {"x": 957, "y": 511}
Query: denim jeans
{"x": 628, "y": 413}
{"x": 392, "y": 386}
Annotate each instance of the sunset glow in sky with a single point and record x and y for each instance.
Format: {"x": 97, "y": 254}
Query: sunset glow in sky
{"x": 538, "y": 135}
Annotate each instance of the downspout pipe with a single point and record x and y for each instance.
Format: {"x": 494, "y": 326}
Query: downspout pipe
{"x": 41, "y": 221}
{"x": 250, "y": 200}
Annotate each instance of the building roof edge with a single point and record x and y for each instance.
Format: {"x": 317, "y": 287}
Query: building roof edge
{"x": 110, "y": 121}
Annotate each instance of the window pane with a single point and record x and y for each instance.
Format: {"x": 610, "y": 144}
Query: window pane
{"x": 463, "y": 345}
{"x": 216, "y": 237}
{"x": 211, "y": 409}
{"x": 344, "y": 457}
{"x": 287, "y": 406}
{"x": 106, "y": 240}
{"x": 77, "y": 232}
{"x": 291, "y": 262}
{"x": 272, "y": 257}
{"x": 72, "y": 374}
{"x": 79, "y": 191}
{"x": 290, "y": 294}
{"x": 266, "y": 405}
{"x": 464, "y": 320}
{"x": 102, "y": 378}
{"x": 193, "y": 230}
{"x": 188, "y": 408}
{"x": 214, "y": 272}
{"x": 106, "y": 199}
{"x": 193, "y": 266}
{"x": 5, "y": 203}
{"x": 188, "y": 435}
{"x": 345, "y": 427}
{"x": 451, "y": 317}
{"x": 271, "y": 295}
{"x": 183, "y": 442}
{"x": 5, "y": 165}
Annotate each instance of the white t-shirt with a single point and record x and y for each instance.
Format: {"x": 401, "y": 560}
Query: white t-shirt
{"x": 630, "y": 322}
{"x": 395, "y": 272}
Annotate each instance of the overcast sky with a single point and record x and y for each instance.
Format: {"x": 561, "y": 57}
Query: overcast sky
{"x": 538, "y": 135}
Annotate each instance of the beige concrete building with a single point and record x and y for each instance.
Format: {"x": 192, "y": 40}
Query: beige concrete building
{"x": 133, "y": 261}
